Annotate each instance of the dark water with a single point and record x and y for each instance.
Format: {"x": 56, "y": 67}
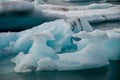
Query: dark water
{"x": 18, "y": 22}
{"x": 110, "y": 72}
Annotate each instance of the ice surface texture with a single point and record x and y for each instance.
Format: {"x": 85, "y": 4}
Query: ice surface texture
{"x": 42, "y": 56}
{"x": 53, "y": 46}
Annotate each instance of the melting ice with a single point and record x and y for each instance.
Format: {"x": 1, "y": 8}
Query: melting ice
{"x": 64, "y": 44}
{"x": 52, "y": 46}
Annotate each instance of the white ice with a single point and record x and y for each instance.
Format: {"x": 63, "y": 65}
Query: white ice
{"x": 42, "y": 55}
{"x": 107, "y": 41}
{"x": 93, "y": 12}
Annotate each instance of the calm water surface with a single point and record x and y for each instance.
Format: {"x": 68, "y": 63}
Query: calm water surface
{"x": 110, "y": 72}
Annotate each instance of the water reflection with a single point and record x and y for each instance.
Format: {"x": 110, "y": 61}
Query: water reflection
{"x": 110, "y": 72}
{"x": 93, "y": 74}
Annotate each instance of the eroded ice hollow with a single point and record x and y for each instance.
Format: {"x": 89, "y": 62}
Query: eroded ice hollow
{"x": 65, "y": 44}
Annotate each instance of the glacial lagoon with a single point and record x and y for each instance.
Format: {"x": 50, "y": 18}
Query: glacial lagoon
{"x": 108, "y": 72}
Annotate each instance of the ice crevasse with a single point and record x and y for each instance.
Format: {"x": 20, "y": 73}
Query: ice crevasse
{"x": 53, "y": 46}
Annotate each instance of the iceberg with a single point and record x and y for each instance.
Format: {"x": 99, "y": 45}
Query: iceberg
{"x": 93, "y": 13}
{"x": 53, "y": 46}
{"x": 99, "y": 6}
{"x": 41, "y": 57}
{"x": 62, "y": 40}
{"x": 108, "y": 43}
{"x": 2, "y": 1}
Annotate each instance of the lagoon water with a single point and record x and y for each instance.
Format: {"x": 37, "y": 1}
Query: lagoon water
{"x": 110, "y": 72}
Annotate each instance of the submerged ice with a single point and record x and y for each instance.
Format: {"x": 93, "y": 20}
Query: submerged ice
{"x": 65, "y": 44}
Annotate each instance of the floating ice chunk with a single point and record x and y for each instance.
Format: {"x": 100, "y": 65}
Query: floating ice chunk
{"x": 16, "y": 6}
{"x": 2, "y": 1}
{"x": 38, "y": 50}
{"x": 99, "y": 6}
{"x": 108, "y": 41}
{"x": 100, "y": 12}
{"x": 61, "y": 32}
{"x": 89, "y": 57}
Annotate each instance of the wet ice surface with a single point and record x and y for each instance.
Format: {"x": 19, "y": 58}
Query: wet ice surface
{"x": 6, "y": 69}
{"x": 111, "y": 72}
{"x": 21, "y": 41}
{"x": 107, "y": 25}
